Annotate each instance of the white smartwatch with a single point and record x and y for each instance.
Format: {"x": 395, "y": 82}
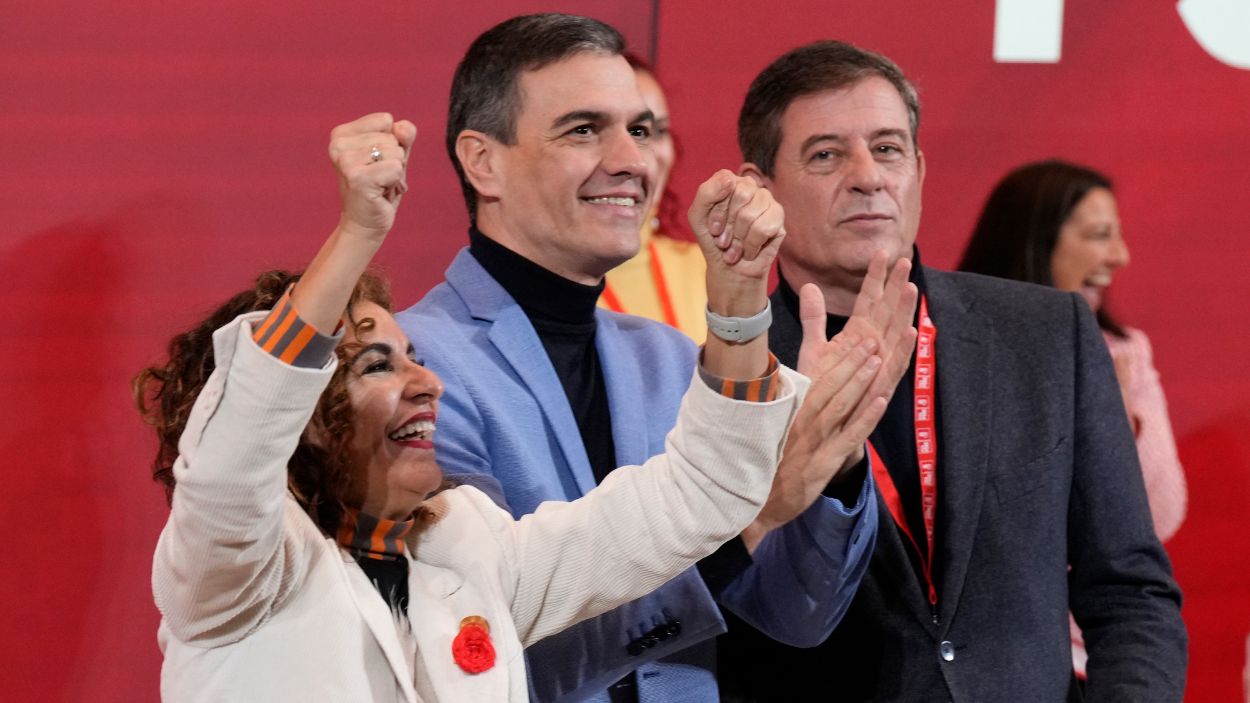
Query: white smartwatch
{"x": 740, "y": 329}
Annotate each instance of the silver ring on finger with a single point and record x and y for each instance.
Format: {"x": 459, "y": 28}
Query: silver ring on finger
{"x": 375, "y": 154}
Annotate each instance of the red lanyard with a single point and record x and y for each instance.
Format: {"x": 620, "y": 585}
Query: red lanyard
{"x": 661, "y": 289}
{"x": 926, "y": 448}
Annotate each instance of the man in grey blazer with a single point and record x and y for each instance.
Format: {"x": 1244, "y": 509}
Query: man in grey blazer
{"x": 547, "y": 393}
{"x": 1009, "y": 491}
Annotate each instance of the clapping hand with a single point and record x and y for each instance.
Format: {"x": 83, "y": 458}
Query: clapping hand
{"x": 884, "y": 310}
{"x": 853, "y": 377}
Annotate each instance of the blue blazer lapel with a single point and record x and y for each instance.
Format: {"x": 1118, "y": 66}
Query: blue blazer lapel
{"x": 965, "y": 360}
{"x": 622, "y": 376}
{"x": 516, "y": 341}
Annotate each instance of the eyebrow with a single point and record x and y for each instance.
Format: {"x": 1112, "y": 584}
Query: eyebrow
{"x": 892, "y": 132}
{"x": 597, "y": 117}
{"x": 381, "y": 347}
{"x": 884, "y": 132}
{"x": 816, "y": 139}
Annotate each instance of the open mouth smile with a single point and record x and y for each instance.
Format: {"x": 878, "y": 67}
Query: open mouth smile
{"x": 624, "y": 201}
{"x": 418, "y": 429}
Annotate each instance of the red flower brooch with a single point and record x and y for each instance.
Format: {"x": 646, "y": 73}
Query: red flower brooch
{"x": 472, "y": 649}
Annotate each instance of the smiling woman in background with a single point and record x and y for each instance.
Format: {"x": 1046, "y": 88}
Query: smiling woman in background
{"x": 664, "y": 281}
{"x": 1056, "y": 224}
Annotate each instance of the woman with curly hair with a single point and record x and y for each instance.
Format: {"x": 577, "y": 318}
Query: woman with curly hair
{"x": 309, "y": 552}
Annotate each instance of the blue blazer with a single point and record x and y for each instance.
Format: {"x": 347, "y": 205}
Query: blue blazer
{"x": 505, "y": 426}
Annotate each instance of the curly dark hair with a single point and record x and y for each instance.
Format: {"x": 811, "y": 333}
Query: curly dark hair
{"x": 319, "y": 471}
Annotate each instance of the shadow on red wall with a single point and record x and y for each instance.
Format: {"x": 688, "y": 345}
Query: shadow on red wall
{"x": 85, "y": 305}
{"x": 1210, "y": 559}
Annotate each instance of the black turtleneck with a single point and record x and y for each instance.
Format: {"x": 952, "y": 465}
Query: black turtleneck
{"x": 895, "y": 436}
{"x": 563, "y": 314}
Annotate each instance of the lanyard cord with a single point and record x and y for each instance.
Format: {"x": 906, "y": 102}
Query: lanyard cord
{"x": 661, "y": 289}
{"x": 926, "y": 450}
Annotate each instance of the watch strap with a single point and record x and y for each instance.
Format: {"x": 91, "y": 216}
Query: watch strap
{"x": 740, "y": 329}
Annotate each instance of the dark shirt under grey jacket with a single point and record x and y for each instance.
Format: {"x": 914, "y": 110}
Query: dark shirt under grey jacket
{"x": 1042, "y": 510}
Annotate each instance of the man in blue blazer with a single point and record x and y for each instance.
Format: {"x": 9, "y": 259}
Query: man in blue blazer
{"x": 546, "y": 393}
{"x": 1009, "y": 490}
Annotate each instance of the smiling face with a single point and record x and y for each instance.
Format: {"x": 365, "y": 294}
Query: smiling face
{"x": 1090, "y": 248}
{"x": 571, "y": 192}
{"x": 394, "y": 403}
{"x": 662, "y": 147}
{"x": 849, "y": 176}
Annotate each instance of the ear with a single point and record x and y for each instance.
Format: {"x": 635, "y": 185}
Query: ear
{"x": 478, "y": 154}
{"x": 750, "y": 170}
{"x": 920, "y": 166}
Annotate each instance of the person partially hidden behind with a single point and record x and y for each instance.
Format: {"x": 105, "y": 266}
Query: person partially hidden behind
{"x": 304, "y": 559}
{"x": 1009, "y": 487}
{"x": 664, "y": 280}
{"x": 548, "y": 395}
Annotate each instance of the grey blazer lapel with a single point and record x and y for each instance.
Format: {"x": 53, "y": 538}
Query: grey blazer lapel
{"x": 516, "y": 341}
{"x": 965, "y": 357}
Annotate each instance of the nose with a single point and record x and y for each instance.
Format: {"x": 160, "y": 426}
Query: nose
{"x": 421, "y": 383}
{"x": 863, "y": 173}
{"x": 1119, "y": 253}
{"x": 624, "y": 155}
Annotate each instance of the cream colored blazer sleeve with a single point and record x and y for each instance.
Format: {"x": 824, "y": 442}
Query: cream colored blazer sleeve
{"x": 225, "y": 561}
{"x": 643, "y": 525}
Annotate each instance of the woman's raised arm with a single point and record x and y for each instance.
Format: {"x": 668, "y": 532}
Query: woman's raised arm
{"x": 371, "y": 157}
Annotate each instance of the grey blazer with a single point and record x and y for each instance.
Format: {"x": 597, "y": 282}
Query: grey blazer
{"x": 1037, "y": 472}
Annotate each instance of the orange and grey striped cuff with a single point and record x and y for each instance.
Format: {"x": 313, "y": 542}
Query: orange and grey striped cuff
{"x": 756, "y": 390}
{"x": 284, "y": 335}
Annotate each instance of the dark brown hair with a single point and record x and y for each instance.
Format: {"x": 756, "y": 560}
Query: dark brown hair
{"x": 814, "y": 68}
{"x": 1019, "y": 226}
{"x": 484, "y": 92}
{"x": 319, "y": 471}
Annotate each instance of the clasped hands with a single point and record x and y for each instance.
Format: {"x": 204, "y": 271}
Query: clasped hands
{"x": 740, "y": 228}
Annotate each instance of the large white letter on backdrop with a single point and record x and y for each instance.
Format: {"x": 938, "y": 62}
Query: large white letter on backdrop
{"x": 1221, "y": 27}
{"x": 1031, "y": 31}
{"x": 1028, "y": 31}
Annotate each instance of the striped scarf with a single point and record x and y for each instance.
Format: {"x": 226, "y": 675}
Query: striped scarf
{"x": 368, "y": 537}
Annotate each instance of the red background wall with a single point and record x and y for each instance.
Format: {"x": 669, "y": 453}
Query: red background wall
{"x": 158, "y": 156}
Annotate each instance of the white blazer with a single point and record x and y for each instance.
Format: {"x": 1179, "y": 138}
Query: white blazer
{"x": 258, "y": 604}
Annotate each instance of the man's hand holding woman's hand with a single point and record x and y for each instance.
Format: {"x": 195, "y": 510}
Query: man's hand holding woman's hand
{"x": 739, "y": 227}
